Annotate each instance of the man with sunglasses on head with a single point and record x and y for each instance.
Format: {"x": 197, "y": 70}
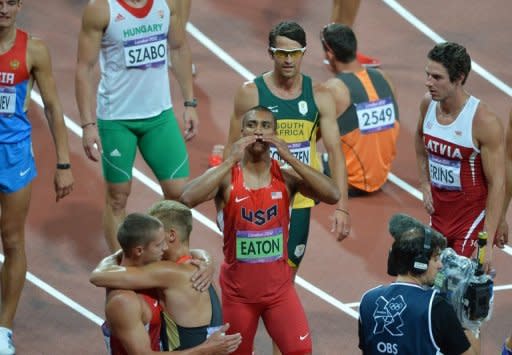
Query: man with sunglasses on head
{"x": 367, "y": 112}
{"x": 301, "y": 108}
{"x": 345, "y": 12}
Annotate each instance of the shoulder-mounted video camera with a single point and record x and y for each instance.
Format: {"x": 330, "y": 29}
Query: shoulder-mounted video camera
{"x": 469, "y": 290}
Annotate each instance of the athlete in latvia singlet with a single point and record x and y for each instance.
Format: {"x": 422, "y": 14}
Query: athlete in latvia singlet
{"x": 459, "y": 187}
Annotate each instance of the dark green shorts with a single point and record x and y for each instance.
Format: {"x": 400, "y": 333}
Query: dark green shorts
{"x": 298, "y": 238}
{"x": 159, "y": 140}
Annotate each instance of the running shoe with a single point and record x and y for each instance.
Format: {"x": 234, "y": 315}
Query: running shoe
{"x": 6, "y": 343}
{"x": 365, "y": 61}
{"x": 368, "y": 62}
{"x": 215, "y": 157}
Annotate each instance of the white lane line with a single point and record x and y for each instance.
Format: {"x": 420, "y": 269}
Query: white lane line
{"x": 405, "y": 186}
{"x": 326, "y": 297}
{"x": 427, "y": 31}
{"x": 60, "y": 296}
{"x": 503, "y": 287}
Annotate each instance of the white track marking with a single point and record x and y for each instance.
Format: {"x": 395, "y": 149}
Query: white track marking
{"x": 60, "y": 296}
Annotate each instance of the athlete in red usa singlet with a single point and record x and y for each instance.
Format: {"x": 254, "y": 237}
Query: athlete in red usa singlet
{"x": 460, "y": 151}
{"x": 255, "y": 277}
{"x": 255, "y": 230}
{"x": 150, "y": 307}
{"x": 253, "y": 194}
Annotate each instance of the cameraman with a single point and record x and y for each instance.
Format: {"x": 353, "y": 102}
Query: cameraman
{"x": 408, "y": 316}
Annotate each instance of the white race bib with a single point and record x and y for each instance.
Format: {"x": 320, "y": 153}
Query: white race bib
{"x": 7, "y": 101}
{"x": 146, "y": 52}
{"x": 301, "y": 150}
{"x": 375, "y": 116}
{"x": 445, "y": 173}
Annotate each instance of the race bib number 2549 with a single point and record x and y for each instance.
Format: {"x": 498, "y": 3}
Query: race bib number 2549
{"x": 376, "y": 116}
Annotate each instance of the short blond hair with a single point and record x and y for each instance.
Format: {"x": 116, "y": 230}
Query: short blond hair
{"x": 173, "y": 215}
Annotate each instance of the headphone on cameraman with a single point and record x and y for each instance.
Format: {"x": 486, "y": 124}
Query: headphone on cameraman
{"x": 420, "y": 262}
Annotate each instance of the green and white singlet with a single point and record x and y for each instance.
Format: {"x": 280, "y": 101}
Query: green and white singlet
{"x": 134, "y": 83}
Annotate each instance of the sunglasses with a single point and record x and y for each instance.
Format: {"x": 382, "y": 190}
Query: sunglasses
{"x": 281, "y": 53}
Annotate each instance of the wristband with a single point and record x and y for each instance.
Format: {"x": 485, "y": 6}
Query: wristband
{"x": 63, "y": 166}
{"x": 190, "y": 103}
{"x": 88, "y": 124}
{"x": 342, "y": 210}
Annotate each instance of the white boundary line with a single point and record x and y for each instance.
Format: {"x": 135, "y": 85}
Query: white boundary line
{"x": 427, "y": 31}
{"x": 503, "y": 287}
{"x": 60, "y": 296}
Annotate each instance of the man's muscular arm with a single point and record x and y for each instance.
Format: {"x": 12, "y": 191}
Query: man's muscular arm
{"x": 303, "y": 178}
{"x": 213, "y": 182}
{"x": 331, "y": 139}
{"x": 181, "y": 59}
{"x": 160, "y": 274}
{"x": 422, "y": 159}
{"x": 488, "y": 132}
{"x": 502, "y": 234}
{"x": 94, "y": 21}
{"x": 246, "y": 98}
{"x": 39, "y": 61}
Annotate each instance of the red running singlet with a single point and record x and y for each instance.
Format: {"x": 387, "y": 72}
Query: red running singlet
{"x": 114, "y": 346}
{"x": 256, "y": 223}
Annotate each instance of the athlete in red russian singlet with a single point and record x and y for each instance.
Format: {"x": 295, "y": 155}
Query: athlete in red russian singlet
{"x": 459, "y": 149}
{"x": 252, "y": 194}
